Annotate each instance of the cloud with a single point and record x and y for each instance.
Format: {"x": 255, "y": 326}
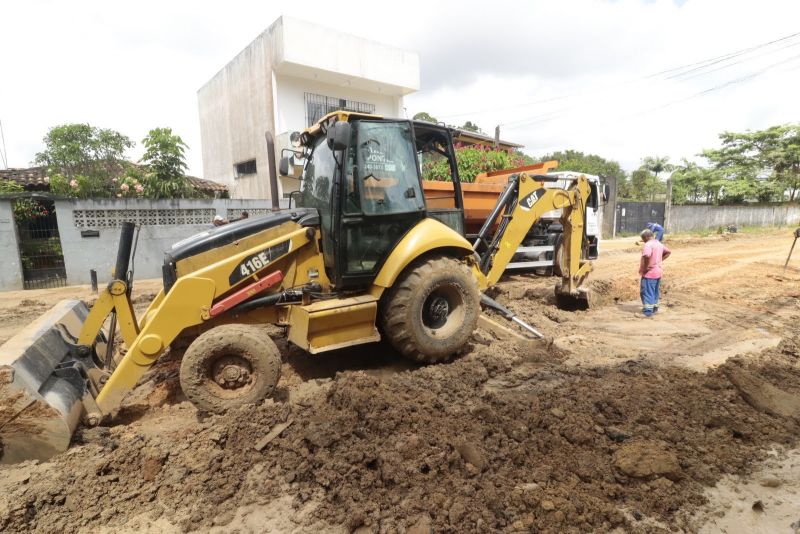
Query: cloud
{"x": 553, "y": 74}
{"x": 584, "y": 79}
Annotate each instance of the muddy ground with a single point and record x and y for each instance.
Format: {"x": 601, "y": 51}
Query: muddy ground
{"x": 688, "y": 421}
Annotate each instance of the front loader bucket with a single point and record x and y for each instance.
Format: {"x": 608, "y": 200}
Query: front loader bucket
{"x": 43, "y": 380}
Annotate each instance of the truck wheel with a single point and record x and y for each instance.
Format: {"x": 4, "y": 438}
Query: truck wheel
{"x": 432, "y": 309}
{"x": 229, "y": 366}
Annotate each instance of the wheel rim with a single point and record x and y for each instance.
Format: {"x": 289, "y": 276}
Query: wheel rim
{"x": 230, "y": 376}
{"x": 443, "y": 310}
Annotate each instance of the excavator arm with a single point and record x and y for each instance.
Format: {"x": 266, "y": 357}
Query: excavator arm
{"x": 520, "y": 206}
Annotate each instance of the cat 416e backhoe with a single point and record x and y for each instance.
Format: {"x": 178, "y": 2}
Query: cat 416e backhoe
{"x": 359, "y": 258}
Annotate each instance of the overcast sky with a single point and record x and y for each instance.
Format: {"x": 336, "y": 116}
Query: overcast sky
{"x": 581, "y": 74}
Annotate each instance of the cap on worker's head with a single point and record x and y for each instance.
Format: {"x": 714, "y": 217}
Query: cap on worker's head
{"x": 217, "y": 217}
{"x": 650, "y": 225}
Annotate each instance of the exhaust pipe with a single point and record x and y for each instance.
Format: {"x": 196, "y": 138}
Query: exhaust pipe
{"x": 273, "y": 171}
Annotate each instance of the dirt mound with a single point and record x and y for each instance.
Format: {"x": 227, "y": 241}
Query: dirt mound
{"x": 602, "y": 428}
{"x": 487, "y": 443}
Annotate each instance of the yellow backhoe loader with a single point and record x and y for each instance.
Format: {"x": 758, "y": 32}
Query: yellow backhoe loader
{"x": 359, "y": 258}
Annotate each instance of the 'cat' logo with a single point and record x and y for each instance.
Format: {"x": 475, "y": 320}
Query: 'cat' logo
{"x": 530, "y": 199}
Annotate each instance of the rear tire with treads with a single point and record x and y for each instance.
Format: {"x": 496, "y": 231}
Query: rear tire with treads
{"x": 432, "y": 309}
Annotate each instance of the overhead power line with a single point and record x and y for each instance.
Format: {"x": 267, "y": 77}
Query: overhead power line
{"x": 734, "y": 81}
{"x": 683, "y": 76}
{"x": 673, "y": 73}
{"x": 730, "y": 55}
{"x": 547, "y": 117}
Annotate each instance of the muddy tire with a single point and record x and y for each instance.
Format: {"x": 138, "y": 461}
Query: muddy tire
{"x": 432, "y": 310}
{"x": 229, "y": 366}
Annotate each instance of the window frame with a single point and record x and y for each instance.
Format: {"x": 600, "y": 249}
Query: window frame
{"x": 237, "y": 174}
{"x": 358, "y": 186}
{"x": 333, "y": 103}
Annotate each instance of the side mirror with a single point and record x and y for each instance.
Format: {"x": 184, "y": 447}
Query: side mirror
{"x": 283, "y": 166}
{"x": 606, "y": 193}
{"x": 339, "y": 136}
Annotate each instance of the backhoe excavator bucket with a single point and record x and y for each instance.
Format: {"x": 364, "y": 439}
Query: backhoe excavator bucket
{"x": 43, "y": 381}
{"x": 578, "y": 300}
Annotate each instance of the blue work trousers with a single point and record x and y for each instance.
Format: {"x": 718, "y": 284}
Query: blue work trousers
{"x": 650, "y": 292}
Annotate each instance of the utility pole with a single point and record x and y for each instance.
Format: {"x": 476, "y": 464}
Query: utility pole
{"x": 668, "y": 206}
{"x": 4, "y": 153}
{"x": 496, "y": 136}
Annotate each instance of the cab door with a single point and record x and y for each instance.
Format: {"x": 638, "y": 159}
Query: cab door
{"x": 380, "y": 198}
{"x": 320, "y": 173}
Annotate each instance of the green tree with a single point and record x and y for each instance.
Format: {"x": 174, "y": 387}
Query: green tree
{"x": 690, "y": 183}
{"x": 735, "y": 172}
{"x": 86, "y": 155}
{"x": 423, "y": 116}
{"x": 644, "y": 185}
{"x": 471, "y": 127}
{"x": 759, "y": 165}
{"x": 775, "y": 155}
{"x": 657, "y": 164}
{"x": 577, "y": 161}
{"x": 164, "y": 159}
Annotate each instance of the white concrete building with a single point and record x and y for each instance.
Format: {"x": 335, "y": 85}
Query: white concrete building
{"x": 288, "y": 77}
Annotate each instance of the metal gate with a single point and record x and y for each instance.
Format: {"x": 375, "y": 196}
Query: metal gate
{"x": 40, "y": 245}
{"x": 632, "y": 217}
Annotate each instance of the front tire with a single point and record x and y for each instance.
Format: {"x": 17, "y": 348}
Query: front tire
{"x": 432, "y": 309}
{"x": 229, "y": 366}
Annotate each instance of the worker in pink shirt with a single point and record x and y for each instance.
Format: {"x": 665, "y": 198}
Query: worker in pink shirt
{"x": 653, "y": 253}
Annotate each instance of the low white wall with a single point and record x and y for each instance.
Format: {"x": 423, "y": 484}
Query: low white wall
{"x": 11, "y": 271}
{"x": 163, "y": 223}
{"x": 692, "y": 217}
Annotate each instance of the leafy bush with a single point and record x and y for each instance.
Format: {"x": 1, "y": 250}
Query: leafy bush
{"x": 24, "y": 208}
{"x": 7, "y": 186}
{"x": 81, "y": 186}
{"x": 472, "y": 160}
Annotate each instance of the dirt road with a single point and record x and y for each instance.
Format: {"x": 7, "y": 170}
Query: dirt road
{"x": 685, "y": 421}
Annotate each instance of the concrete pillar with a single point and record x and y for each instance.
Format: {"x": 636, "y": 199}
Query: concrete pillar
{"x": 11, "y": 273}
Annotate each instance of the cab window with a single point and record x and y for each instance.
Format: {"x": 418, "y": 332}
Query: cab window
{"x": 381, "y": 175}
{"x": 315, "y": 190}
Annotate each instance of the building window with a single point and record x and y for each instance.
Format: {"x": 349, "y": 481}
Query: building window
{"x": 317, "y": 106}
{"x": 244, "y": 168}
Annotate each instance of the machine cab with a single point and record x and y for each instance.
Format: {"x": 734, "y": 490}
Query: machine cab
{"x": 363, "y": 176}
